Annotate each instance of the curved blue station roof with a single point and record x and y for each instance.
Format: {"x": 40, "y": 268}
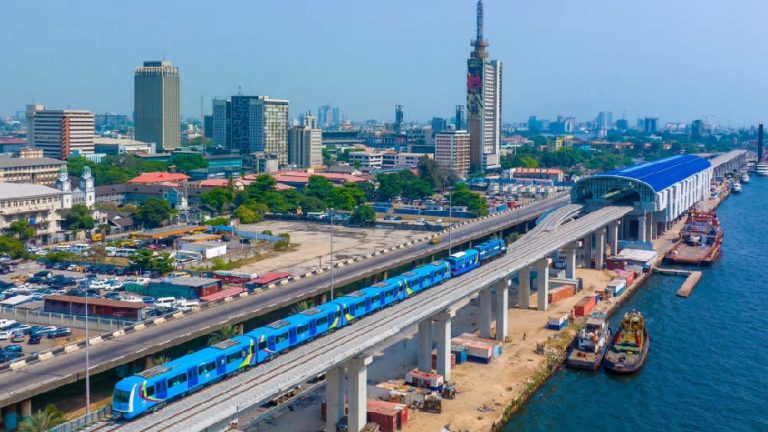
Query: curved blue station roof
{"x": 662, "y": 173}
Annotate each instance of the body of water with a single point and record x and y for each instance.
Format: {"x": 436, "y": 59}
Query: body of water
{"x": 707, "y": 369}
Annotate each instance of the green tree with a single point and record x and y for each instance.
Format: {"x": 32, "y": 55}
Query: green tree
{"x": 154, "y": 212}
{"x": 218, "y": 198}
{"x": 21, "y": 230}
{"x": 44, "y": 420}
{"x": 142, "y": 260}
{"x": 302, "y": 306}
{"x": 79, "y": 218}
{"x": 163, "y": 263}
{"x": 390, "y": 186}
{"x": 474, "y": 201}
{"x": 431, "y": 172}
{"x": 363, "y": 215}
{"x": 312, "y": 204}
{"x": 224, "y": 333}
{"x": 414, "y": 187}
{"x": 217, "y": 221}
{"x": 346, "y": 197}
{"x": 186, "y": 162}
{"x": 319, "y": 187}
{"x": 12, "y": 247}
{"x": 247, "y": 215}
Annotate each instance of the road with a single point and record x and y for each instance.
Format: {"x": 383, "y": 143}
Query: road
{"x": 44, "y": 376}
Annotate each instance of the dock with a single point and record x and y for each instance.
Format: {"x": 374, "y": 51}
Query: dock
{"x": 692, "y": 279}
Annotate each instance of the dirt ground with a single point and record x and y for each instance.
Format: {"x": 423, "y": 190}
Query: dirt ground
{"x": 314, "y": 244}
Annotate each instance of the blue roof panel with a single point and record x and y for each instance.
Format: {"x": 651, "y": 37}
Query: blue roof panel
{"x": 662, "y": 173}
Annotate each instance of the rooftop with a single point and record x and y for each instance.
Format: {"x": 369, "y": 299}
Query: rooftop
{"x": 24, "y": 190}
{"x": 96, "y": 302}
{"x": 158, "y": 177}
{"x": 27, "y": 162}
{"x": 663, "y": 173}
{"x": 188, "y": 281}
{"x": 303, "y": 177}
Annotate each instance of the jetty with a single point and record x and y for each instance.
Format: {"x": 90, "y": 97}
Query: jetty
{"x": 692, "y": 279}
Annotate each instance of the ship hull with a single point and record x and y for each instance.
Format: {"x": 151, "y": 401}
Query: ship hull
{"x": 620, "y": 367}
{"x": 587, "y": 361}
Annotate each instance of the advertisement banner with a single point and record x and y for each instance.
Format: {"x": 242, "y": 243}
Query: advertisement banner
{"x": 475, "y": 86}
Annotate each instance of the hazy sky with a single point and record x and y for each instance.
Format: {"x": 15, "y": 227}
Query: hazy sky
{"x": 675, "y": 59}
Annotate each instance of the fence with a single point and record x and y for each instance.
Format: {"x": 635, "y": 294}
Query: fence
{"x": 63, "y": 320}
{"x": 81, "y": 422}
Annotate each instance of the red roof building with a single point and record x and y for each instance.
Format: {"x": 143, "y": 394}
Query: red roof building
{"x": 158, "y": 178}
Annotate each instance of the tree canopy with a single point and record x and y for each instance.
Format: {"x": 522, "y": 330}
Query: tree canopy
{"x": 21, "y": 230}
{"x": 79, "y": 218}
{"x": 154, "y": 212}
{"x": 363, "y": 215}
{"x": 218, "y": 198}
{"x": 474, "y": 201}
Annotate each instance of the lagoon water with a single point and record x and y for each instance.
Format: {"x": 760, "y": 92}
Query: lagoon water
{"x": 708, "y": 365}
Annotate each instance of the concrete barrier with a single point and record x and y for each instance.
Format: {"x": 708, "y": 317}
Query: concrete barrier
{"x": 71, "y": 348}
{"x": 95, "y": 341}
{"x": 118, "y": 333}
{"x": 45, "y": 356}
{"x": 139, "y": 326}
{"x": 159, "y": 320}
{"x": 178, "y": 314}
{"x": 18, "y": 365}
{"x": 243, "y": 294}
{"x": 227, "y": 299}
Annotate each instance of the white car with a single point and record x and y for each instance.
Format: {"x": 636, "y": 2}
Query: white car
{"x": 6, "y": 322}
{"x": 98, "y": 284}
{"x": 166, "y": 302}
{"x": 6, "y": 334}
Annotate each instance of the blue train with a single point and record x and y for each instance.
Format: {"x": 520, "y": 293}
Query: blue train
{"x": 150, "y": 389}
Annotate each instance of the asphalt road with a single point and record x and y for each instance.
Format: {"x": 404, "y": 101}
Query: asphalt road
{"x": 43, "y": 376}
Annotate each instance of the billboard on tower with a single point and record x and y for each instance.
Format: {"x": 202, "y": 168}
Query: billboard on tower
{"x": 475, "y": 86}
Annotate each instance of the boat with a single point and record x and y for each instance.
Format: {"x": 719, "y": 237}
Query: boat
{"x": 745, "y": 177}
{"x": 762, "y": 169}
{"x": 736, "y": 188}
{"x": 700, "y": 240}
{"x": 629, "y": 349}
{"x": 591, "y": 343}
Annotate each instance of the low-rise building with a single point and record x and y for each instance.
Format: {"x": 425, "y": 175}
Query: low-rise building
{"x": 97, "y": 307}
{"x": 393, "y": 160}
{"x": 159, "y": 178}
{"x": 41, "y": 171}
{"x": 366, "y": 161}
{"x": 553, "y": 174}
{"x": 207, "y": 249}
{"x": 41, "y": 206}
{"x": 183, "y": 287}
{"x": 118, "y": 146}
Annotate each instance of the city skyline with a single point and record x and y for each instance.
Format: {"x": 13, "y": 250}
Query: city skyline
{"x": 639, "y": 59}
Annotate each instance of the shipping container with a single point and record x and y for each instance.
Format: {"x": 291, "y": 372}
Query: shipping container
{"x": 616, "y": 286}
{"x": 385, "y": 418}
{"x": 557, "y": 322}
{"x": 585, "y": 306}
{"x": 401, "y": 408}
{"x": 418, "y": 378}
{"x": 561, "y": 293}
{"x": 434, "y": 359}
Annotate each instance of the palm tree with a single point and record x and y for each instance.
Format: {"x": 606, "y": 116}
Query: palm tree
{"x": 223, "y": 334}
{"x": 302, "y": 306}
{"x": 157, "y": 360}
{"x": 43, "y": 420}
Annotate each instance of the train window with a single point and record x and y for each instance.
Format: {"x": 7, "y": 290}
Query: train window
{"x": 121, "y": 396}
{"x": 263, "y": 345}
{"x": 361, "y": 305}
{"x": 208, "y": 367}
{"x": 234, "y": 357}
{"x": 321, "y": 321}
{"x": 178, "y": 379}
{"x": 350, "y": 309}
{"x": 150, "y": 390}
{"x": 281, "y": 338}
{"x": 302, "y": 329}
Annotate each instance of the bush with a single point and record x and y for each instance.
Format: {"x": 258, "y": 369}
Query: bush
{"x": 217, "y": 221}
{"x": 281, "y": 245}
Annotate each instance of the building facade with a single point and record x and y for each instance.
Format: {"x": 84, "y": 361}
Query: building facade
{"x": 59, "y": 133}
{"x": 305, "y": 144}
{"x": 483, "y": 103}
{"x": 260, "y": 124}
{"x": 222, "y": 123}
{"x": 40, "y": 205}
{"x": 156, "y": 102}
{"x": 366, "y": 161}
{"x": 452, "y": 151}
{"x": 392, "y": 160}
{"x": 40, "y": 171}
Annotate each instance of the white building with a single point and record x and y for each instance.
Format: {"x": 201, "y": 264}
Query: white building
{"x": 305, "y": 144}
{"x": 367, "y": 161}
{"x": 207, "y": 249}
{"x": 40, "y": 205}
{"x": 59, "y": 133}
{"x": 452, "y": 151}
{"x": 392, "y": 160}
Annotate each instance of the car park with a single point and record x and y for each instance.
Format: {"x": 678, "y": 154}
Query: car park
{"x": 34, "y": 339}
{"x": 12, "y": 348}
{"x": 44, "y": 330}
{"x": 17, "y": 336}
{"x": 60, "y": 332}
{"x": 113, "y": 296}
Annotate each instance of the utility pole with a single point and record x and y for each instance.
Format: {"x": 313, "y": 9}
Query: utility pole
{"x": 87, "y": 361}
{"x": 331, "y": 213}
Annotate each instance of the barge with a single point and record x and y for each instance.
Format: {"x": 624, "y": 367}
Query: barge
{"x": 700, "y": 240}
{"x": 591, "y": 343}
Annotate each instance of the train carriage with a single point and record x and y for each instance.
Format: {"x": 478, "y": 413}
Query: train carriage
{"x": 491, "y": 249}
{"x": 393, "y": 289}
{"x": 464, "y": 261}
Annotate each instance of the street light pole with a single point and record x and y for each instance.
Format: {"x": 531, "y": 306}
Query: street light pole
{"x": 331, "y": 214}
{"x": 87, "y": 361}
{"x": 450, "y": 217}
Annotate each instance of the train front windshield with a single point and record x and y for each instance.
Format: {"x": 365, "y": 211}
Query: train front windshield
{"x": 121, "y": 396}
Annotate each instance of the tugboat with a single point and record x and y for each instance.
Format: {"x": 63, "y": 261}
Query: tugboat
{"x": 630, "y": 346}
{"x": 700, "y": 240}
{"x": 736, "y": 188}
{"x": 591, "y": 343}
{"x": 745, "y": 177}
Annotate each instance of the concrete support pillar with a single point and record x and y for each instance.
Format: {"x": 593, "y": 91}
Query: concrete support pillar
{"x": 524, "y": 294}
{"x": 357, "y": 374}
{"x": 443, "y": 336}
{"x": 485, "y": 313}
{"x": 334, "y": 397}
{"x": 425, "y": 345}
{"x": 26, "y": 408}
{"x": 599, "y": 248}
{"x": 570, "y": 262}
{"x": 613, "y": 237}
{"x": 542, "y": 283}
{"x": 10, "y": 418}
{"x": 649, "y": 227}
{"x": 587, "y": 245}
{"x": 502, "y": 304}
{"x": 641, "y": 228}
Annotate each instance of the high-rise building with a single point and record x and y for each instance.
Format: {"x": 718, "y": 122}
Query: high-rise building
{"x": 483, "y": 103}
{"x": 156, "y": 104}
{"x": 439, "y": 124}
{"x": 260, "y": 124}
{"x": 327, "y": 117}
{"x": 60, "y": 133}
{"x": 650, "y": 125}
{"x": 336, "y": 117}
{"x": 305, "y": 144}
{"x": 208, "y": 126}
{"x": 399, "y": 119}
{"x": 622, "y": 124}
{"x": 460, "y": 119}
{"x": 452, "y": 151}
{"x": 222, "y": 123}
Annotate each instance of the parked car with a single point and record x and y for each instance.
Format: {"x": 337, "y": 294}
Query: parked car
{"x": 23, "y": 328}
{"x": 6, "y": 334}
{"x": 165, "y": 302}
{"x": 43, "y": 330}
{"x": 34, "y": 339}
{"x": 148, "y": 300}
{"x": 60, "y": 332}
{"x": 10, "y": 356}
{"x": 17, "y": 336}
{"x": 12, "y": 348}
{"x": 113, "y": 296}
{"x": 43, "y": 274}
